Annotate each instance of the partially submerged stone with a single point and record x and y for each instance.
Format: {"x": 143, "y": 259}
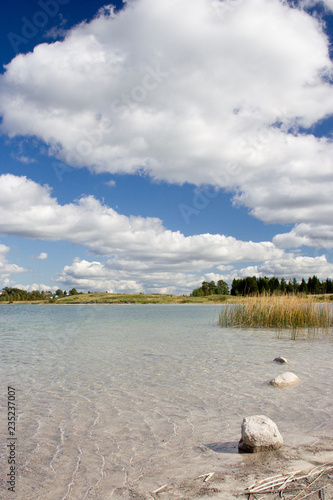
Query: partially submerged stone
{"x": 259, "y": 433}
{"x": 285, "y": 379}
{"x": 281, "y": 360}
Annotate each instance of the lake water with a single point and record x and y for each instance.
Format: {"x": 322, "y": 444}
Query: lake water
{"x": 114, "y": 401}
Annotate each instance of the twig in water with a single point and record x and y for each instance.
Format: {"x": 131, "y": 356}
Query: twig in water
{"x": 290, "y": 478}
{"x": 279, "y": 482}
{"x": 160, "y": 489}
{"x": 314, "y": 443}
{"x": 266, "y": 481}
{"x": 318, "y": 477}
{"x": 311, "y": 493}
{"x": 207, "y": 476}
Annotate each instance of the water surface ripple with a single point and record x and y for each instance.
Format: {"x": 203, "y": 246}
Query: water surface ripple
{"x": 116, "y": 400}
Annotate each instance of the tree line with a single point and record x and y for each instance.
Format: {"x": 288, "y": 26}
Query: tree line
{"x": 17, "y": 294}
{"x": 210, "y": 288}
{"x": 258, "y": 286}
{"x": 252, "y": 285}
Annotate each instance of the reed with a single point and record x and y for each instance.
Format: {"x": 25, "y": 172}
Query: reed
{"x": 287, "y": 311}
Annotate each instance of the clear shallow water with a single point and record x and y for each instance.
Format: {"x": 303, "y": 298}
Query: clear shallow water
{"x": 114, "y": 400}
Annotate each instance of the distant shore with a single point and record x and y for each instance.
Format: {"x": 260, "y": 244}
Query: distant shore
{"x": 124, "y": 298}
{"x": 141, "y": 298}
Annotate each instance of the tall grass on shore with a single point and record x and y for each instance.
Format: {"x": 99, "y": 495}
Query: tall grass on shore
{"x": 287, "y": 311}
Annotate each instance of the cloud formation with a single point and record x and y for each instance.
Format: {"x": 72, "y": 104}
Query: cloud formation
{"x": 312, "y": 235}
{"x": 230, "y": 85}
{"x": 138, "y": 254}
{"x": 312, "y": 3}
{"x": 132, "y": 277}
{"x": 289, "y": 267}
{"x": 27, "y": 209}
{"x": 228, "y": 97}
{"x": 7, "y": 269}
{"x": 42, "y": 256}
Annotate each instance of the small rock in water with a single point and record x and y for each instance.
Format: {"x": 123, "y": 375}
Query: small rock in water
{"x": 281, "y": 360}
{"x": 259, "y": 433}
{"x": 287, "y": 378}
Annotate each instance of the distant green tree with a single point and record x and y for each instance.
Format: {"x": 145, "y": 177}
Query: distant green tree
{"x": 222, "y": 287}
{"x": 73, "y": 291}
{"x": 329, "y": 286}
{"x": 303, "y": 288}
{"x": 36, "y": 295}
{"x": 212, "y": 288}
{"x": 295, "y": 284}
{"x": 283, "y": 285}
{"x": 251, "y": 285}
{"x": 263, "y": 285}
{"x": 313, "y": 285}
{"x": 274, "y": 285}
{"x": 59, "y": 293}
{"x": 235, "y": 287}
{"x": 4, "y": 297}
{"x": 205, "y": 287}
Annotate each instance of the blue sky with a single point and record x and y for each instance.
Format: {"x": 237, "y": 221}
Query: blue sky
{"x": 146, "y": 148}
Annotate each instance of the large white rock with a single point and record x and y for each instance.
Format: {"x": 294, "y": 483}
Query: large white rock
{"x": 259, "y": 433}
{"x": 285, "y": 379}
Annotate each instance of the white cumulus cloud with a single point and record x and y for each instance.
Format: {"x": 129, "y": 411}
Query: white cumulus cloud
{"x": 28, "y": 209}
{"x": 141, "y": 254}
{"x": 289, "y": 267}
{"x": 228, "y": 86}
{"x": 307, "y": 234}
{"x": 42, "y": 256}
{"x": 7, "y": 269}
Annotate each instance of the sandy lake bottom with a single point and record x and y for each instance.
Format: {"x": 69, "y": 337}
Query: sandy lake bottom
{"x": 116, "y": 401}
